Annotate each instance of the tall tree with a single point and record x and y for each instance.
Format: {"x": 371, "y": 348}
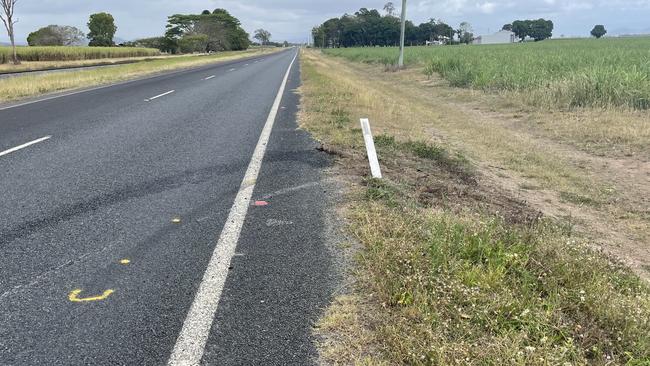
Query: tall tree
{"x": 56, "y": 35}
{"x": 223, "y": 30}
{"x": 464, "y": 32}
{"x": 102, "y": 30}
{"x": 507, "y": 27}
{"x": 539, "y": 29}
{"x": 389, "y": 8}
{"x": 263, "y": 36}
{"x": 598, "y": 31}
{"x": 7, "y": 17}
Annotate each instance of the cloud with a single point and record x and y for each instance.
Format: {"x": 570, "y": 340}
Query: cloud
{"x": 293, "y": 19}
{"x": 487, "y": 8}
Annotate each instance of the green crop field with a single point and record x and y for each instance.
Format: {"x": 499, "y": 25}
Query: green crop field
{"x": 566, "y": 73}
{"x": 74, "y": 53}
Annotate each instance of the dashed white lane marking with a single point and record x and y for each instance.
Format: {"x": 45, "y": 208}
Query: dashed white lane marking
{"x": 210, "y": 77}
{"x": 246, "y": 64}
{"x": 191, "y": 342}
{"x": 159, "y": 96}
{"x": 14, "y": 149}
{"x": 232, "y": 69}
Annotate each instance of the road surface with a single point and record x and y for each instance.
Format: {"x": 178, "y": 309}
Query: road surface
{"x": 172, "y": 220}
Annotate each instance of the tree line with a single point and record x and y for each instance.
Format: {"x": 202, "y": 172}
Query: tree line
{"x": 368, "y": 27}
{"x": 185, "y": 33}
{"x": 538, "y": 30}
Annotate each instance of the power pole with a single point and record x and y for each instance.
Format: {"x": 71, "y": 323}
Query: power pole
{"x": 402, "y": 35}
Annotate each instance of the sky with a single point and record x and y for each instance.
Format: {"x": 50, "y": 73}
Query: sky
{"x": 292, "y": 20}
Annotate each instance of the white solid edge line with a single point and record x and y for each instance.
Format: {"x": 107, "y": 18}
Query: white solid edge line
{"x": 190, "y": 344}
{"x": 14, "y": 149}
{"x": 210, "y": 77}
{"x": 159, "y": 95}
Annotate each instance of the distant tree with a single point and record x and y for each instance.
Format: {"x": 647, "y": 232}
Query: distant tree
{"x": 263, "y": 36}
{"x": 598, "y": 31}
{"x": 194, "y": 43}
{"x": 56, "y": 35}
{"x": 464, "y": 32}
{"x": 367, "y": 27}
{"x": 102, "y": 30}
{"x": 521, "y": 29}
{"x": 205, "y": 12}
{"x": 539, "y": 29}
{"x": 507, "y": 27}
{"x": 223, "y": 30}
{"x": 285, "y": 44}
{"x": 161, "y": 43}
{"x": 434, "y": 30}
{"x": 7, "y": 17}
{"x": 389, "y": 8}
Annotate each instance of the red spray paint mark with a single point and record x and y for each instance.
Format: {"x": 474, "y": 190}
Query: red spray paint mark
{"x": 260, "y": 203}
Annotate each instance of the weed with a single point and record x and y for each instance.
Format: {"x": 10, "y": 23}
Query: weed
{"x": 385, "y": 141}
{"x": 380, "y": 190}
{"x": 578, "y": 198}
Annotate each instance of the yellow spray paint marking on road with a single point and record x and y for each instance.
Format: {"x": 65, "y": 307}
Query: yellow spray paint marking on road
{"x": 125, "y": 261}
{"x": 176, "y": 220}
{"x": 74, "y": 296}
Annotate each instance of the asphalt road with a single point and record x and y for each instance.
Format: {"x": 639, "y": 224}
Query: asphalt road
{"x": 117, "y": 215}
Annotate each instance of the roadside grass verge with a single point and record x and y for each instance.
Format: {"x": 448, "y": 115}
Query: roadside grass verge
{"x": 452, "y": 270}
{"x": 403, "y": 114}
{"x": 19, "y": 87}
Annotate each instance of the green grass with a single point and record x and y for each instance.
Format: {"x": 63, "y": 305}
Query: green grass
{"x": 457, "y": 290}
{"x": 574, "y": 73}
{"x": 74, "y": 53}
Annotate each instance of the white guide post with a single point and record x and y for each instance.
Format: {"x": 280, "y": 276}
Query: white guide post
{"x": 370, "y": 148}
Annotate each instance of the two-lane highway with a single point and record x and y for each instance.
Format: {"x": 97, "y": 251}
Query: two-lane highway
{"x": 139, "y": 223}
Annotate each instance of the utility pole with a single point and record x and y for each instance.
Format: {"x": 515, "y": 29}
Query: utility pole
{"x": 400, "y": 64}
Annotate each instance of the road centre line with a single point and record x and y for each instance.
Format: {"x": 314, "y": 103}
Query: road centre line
{"x": 210, "y": 77}
{"x": 14, "y": 149}
{"x": 160, "y": 95}
{"x": 190, "y": 344}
